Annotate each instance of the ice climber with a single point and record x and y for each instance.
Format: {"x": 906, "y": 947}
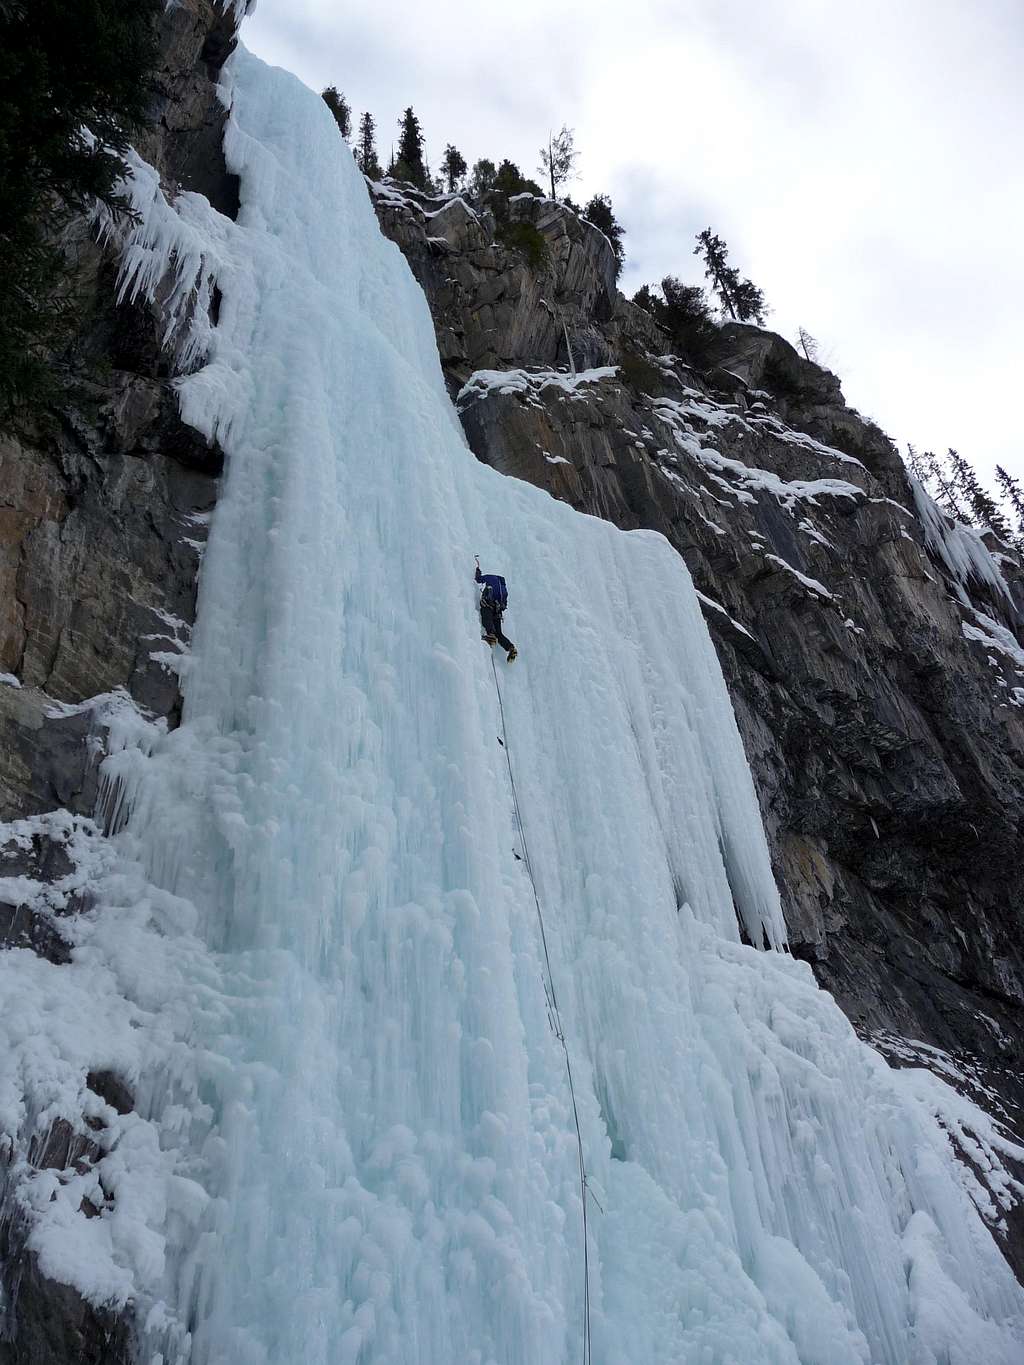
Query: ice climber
{"x": 493, "y": 601}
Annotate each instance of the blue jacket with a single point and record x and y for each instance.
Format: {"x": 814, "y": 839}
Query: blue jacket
{"x": 494, "y": 588}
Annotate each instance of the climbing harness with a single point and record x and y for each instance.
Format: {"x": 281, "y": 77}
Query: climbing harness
{"x": 554, "y": 1017}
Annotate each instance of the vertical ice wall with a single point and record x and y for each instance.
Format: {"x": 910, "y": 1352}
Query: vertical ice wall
{"x": 387, "y": 1131}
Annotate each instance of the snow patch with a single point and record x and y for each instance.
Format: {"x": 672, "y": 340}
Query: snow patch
{"x": 744, "y": 481}
{"x": 811, "y": 584}
{"x": 126, "y": 1003}
{"x": 717, "y": 606}
{"x": 995, "y": 636}
{"x": 530, "y": 384}
{"x": 812, "y": 532}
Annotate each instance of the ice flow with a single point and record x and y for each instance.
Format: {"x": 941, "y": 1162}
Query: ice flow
{"x": 388, "y": 1134}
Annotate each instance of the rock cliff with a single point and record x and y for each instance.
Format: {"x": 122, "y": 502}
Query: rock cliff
{"x": 104, "y": 504}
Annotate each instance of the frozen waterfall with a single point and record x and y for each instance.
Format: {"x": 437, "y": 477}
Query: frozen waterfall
{"x": 369, "y": 1091}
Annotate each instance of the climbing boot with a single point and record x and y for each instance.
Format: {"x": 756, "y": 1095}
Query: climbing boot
{"x": 489, "y": 639}
{"x": 512, "y": 653}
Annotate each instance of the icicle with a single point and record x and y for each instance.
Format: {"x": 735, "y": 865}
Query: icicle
{"x": 171, "y": 254}
{"x": 960, "y": 547}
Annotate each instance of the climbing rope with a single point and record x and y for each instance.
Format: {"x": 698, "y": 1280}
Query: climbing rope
{"x": 554, "y": 1017}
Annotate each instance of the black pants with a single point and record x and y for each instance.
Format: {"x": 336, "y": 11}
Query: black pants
{"x": 490, "y": 619}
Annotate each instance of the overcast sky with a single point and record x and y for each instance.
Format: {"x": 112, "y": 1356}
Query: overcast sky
{"x": 863, "y": 160}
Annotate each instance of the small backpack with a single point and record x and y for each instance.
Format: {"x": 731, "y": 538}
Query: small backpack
{"x": 498, "y": 591}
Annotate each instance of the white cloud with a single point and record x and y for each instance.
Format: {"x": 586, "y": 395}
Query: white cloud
{"x": 861, "y": 160}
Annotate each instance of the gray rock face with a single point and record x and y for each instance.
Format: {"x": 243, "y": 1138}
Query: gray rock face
{"x": 490, "y": 309}
{"x": 103, "y": 513}
{"x": 103, "y": 507}
{"x": 886, "y": 746}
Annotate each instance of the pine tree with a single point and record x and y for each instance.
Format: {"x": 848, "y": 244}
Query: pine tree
{"x": 510, "y": 180}
{"x": 809, "y": 346}
{"x": 686, "y": 307}
{"x": 749, "y": 302}
{"x": 925, "y": 467}
{"x": 684, "y": 312}
{"x": 410, "y": 163}
{"x": 366, "y": 149}
{"x": 964, "y": 480}
{"x": 983, "y": 509}
{"x": 1012, "y": 494}
{"x": 339, "y": 107}
{"x": 599, "y": 212}
{"x": 945, "y": 490}
{"x": 646, "y": 299}
{"x": 741, "y": 299}
{"x": 453, "y": 167}
{"x": 995, "y": 521}
{"x": 558, "y": 159}
{"x": 724, "y": 279}
{"x": 483, "y": 177}
{"x": 74, "y": 88}
{"x": 916, "y": 463}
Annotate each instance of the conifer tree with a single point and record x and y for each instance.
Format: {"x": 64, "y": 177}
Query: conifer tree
{"x": 366, "y": 149}
{"x": 339, "y": 107}
{"x": 510, "y": 180}
{"x": 963, "y": 479}
{"x": 741, "y": 299}
{"x": 410, "y": 163}
{"x": 916, "y": 463}
{"x": 1013, "y": 494}
{"x": 944, "y": 488}
{"x": 599, "y": 212}
{"x": 809, "y": 346}
{"x": 684, "y": 312}
{"x": 714, "y": 254}
{"x": 995, "y": 521}
{"x": 646, "y": 299}
{"x": 686, "y": 308}
{"x": 74, "y": 87}
{"x": 483, "y": 177}
{"x": 453, "y": 167}
{"x": 749, "y": 302}
{"x": 982, "y": 507}
{"x": 558, "y": 159}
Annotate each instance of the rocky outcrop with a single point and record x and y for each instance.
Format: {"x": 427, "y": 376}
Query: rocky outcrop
{"x": 104, "y": 503}
{"x": 490, "y": 308}
{"x": 876, "y": 681}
